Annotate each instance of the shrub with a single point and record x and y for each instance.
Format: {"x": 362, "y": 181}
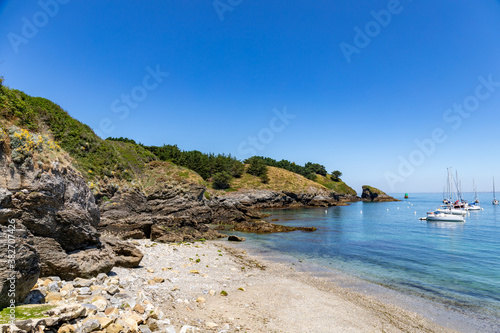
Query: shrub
{"x": 336, "y": 175}
{"x": 221, "y": 180}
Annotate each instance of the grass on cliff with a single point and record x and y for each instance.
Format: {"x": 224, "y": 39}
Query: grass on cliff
{"x": 279, "y": 180}
{"x": 157, "y": 173}
{"x": 337, "y": 186}
{"x": 94, "y": 157}
{"x": 23, "y": 312}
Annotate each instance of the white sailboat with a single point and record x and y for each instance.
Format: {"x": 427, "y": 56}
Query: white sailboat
{"x": 495, "y": 201}
{"x": 474, "y": 206}
{"x": 474, "y": 187}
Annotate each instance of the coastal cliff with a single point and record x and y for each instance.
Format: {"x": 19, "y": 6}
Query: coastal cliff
{"x": 50, "y": 212}
{"x": 373, "y": 194}
{"x": 62, "y": 187}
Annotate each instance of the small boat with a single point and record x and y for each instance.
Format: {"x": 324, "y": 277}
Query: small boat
{"x": 495, "y": 201}
{"x": 474, "y": 188}
{"x": 474, "y": 207}
{"x": 444, "y": 217}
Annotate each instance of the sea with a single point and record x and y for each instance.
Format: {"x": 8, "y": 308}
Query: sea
{"x": 447, "y": 271}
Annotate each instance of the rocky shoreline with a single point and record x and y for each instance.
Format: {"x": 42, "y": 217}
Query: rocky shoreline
{"x": 181, "y": 211}
{"x": 207, "y": 287}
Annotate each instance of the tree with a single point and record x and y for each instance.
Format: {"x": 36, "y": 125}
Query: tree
{"x": 258, "y": 168}
{"x": 264, "y": 177}
{"x": 316, "y": 168}
{"x": 221, "y": 180}
{"x": 237, "y": 169}
{"x": 336, "y": 175}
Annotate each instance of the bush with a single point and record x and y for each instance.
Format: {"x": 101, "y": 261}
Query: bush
{"x": 336, "y": 175}
{"x": 221, "y": 180}
{"x": 258, "y": 168}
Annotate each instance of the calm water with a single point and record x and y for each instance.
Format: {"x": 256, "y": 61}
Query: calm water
{"x": 453, "y": 264}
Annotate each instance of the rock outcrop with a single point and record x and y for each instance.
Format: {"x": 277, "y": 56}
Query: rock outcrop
{"x": 55, "y": 218}
{"x": 58, "y": 211}
{"x": 375, "y": 195}
{"x": 180, "y": 211}
{"x": 19, "y": 262}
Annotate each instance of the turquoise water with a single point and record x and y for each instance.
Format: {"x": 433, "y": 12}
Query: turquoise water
{"x": 453, "y": 264}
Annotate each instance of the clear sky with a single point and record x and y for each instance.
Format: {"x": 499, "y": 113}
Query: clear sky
{"x": 348, "y": 84}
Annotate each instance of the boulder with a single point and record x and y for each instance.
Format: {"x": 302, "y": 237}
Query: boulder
{"x": 234, "y": 238}
{"x": 126, "y": 254}
{"x": 86, "y": 263}
{"x": 24, "y": 272}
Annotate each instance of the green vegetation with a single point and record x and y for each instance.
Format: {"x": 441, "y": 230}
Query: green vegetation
{"x": 336, "y": 185}
{"x": 336, "y": 175}
{"x": 373, "y": 189}
{"x": 94, "y": 157}
{"x": 258, "y": 168}
{"x": 24, "y": 312}
{"x": 279, "y": 180}
{"x": 206, "y": 165}
{"x": 309, "y": 170}
{"x": 45, "y": 133}
{"x": 221, "y": 180}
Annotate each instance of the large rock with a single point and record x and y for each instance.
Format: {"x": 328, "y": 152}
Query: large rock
{"x": 58, "y": 211}
{"x": 375, "y": 195}
{"x": 126, "y": 254}
{"x": 18, "y": 276}
{"x": 127, "y": 214}
{"x": 85, "y": 263}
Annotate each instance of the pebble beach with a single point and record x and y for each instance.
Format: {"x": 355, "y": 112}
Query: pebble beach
{"x": 214, "y": 286}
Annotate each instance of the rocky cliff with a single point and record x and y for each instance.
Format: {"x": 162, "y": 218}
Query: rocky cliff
{"x": 373, "y": 194}
{"x": 52, "y": 213}
{"x": 180, "y": 211}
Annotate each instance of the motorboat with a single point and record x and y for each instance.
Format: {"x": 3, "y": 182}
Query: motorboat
{"x": 441, "y": 216}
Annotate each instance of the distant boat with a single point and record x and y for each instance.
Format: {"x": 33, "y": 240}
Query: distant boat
{"x": 474, "y": 187}
{"x": 495, "y": 201}
{"x": 474, "y": 206}
{"x": 406, "y": 195}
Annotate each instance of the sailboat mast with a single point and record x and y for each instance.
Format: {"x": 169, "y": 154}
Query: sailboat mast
{"x": 494, "y": 195}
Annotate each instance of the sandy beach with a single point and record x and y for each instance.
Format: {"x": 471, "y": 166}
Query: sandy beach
{"x": 216, "y": 287}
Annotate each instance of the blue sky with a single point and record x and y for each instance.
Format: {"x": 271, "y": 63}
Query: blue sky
{"x": 275, "y": 78}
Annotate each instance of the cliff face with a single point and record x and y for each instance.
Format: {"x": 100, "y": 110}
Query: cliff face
{"x": 51, "y": 212}
{"x": 375, "y": 195}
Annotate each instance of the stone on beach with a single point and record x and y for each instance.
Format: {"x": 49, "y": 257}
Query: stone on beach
{"x": 234, "y": 238}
